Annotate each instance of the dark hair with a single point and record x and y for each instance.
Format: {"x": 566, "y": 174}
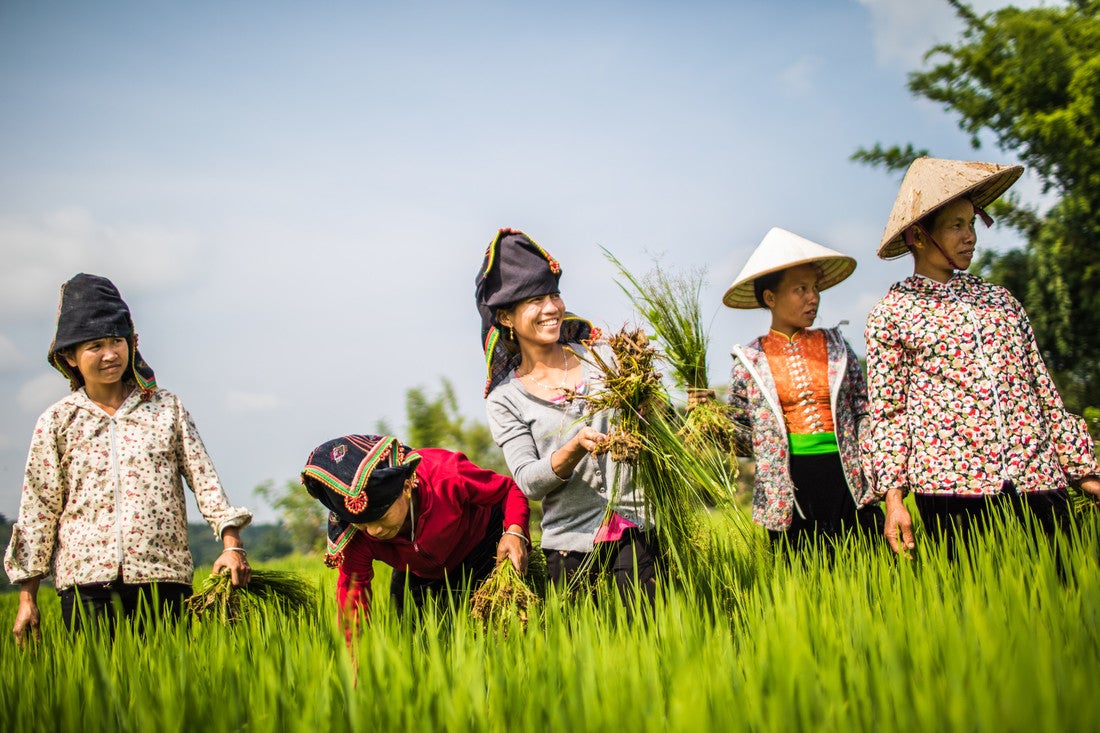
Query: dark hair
{"x": 769, "y": 281}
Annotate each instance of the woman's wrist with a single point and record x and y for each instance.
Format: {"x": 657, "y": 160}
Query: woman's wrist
{"x": 526, "y": 541}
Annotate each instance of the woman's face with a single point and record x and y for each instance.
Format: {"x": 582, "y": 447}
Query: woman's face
{"x": 537, "y": 319}
{"x": 953, "y": 229}
{"x": 389, "y": 524}
{"x": 794, "y": 301}
{"x": 101, "y": 361}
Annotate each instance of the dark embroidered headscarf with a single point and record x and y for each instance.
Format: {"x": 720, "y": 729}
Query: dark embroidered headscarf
{"x": 514, "y": 268}
{"x": 358, "y": 478}
{"x": 91, "y": 308}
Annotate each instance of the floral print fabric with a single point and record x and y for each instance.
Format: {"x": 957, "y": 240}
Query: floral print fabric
{"x": 961, "y": 400}
{"x": 103, "y": 496}
{"x": 755, "y": 402}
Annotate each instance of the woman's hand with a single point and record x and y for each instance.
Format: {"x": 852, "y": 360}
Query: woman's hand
{"x": 236, "y": 562}
{"x": 566, "y": 458}
{"x": 26, "y": 616}
{"x": 1091, "y": 486}
{"x": 514, "y": 548}
{"x": 899, "y": 525}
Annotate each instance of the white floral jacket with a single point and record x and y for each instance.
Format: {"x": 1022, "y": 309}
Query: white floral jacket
{"x": 103, "y": 495}
{"x": 961, "y": 400}
{"x": 753, "y": 396}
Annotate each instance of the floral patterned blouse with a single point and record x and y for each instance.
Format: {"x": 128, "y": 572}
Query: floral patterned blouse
{"x": 103, "y": 496}
{"x": 961, "y": 400}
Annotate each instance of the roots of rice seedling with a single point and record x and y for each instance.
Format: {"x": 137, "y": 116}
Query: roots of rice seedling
{"x": 708, "y": 427}
{"x": 623, "y": 447}
{"x": 504, "y": 597}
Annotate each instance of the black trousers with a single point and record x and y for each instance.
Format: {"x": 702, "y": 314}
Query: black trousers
{"x": 87, "y": 604}
{"x": 475, "y": 567}
{"x": 952, "y": 520}
{"x": 632, "y": 561}
{"x": 828, "y": 510}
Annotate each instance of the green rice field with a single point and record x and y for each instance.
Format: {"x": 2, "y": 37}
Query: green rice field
{"x": 998, "y": 641}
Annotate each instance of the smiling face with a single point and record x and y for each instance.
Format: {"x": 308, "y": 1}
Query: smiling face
{"x": 953, "y": 229}
{"x": 536, "y": 320}
{"x": 101, "y": 362}
{"x": 795, "y": 299}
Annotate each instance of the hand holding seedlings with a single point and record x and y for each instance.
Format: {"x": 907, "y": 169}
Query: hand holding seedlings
{"x": 513, "y": 547}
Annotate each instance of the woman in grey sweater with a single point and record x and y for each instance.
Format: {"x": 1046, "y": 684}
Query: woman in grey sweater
{"x": 538, "y": 375}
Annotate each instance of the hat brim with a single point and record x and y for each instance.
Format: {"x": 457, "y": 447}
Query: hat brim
{"x": 981, "y": 194}
{"x": 833, "y": 271}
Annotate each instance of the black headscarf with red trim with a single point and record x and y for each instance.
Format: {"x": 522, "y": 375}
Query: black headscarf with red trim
{"x": 514, "y": 268}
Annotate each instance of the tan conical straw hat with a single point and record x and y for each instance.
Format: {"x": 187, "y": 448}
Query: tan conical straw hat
{"x": 779, "y": 250}
{"x": 932, "y": 182}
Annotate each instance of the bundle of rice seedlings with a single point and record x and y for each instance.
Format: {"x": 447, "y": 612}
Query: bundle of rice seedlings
{"x": 1081, "y": 501}
{"x": 217, "y": 597}
{"x": 670, "y": 303}
{"x": 631, "y": 385}
{"x": 503, "y": 598}
{"x": 679, "y": 481}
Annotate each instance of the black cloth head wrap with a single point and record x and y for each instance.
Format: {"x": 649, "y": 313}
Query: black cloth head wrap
{"x": 357, "y": 478}
{"x": 91, "y": 308}
{"x": 514, "y": 268}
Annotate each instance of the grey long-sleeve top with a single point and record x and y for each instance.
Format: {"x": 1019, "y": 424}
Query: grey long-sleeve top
{"x": 529, "y": 429}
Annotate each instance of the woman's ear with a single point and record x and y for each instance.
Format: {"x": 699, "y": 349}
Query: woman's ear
{"x": 769, "y": 299}
{"x": 504, "y": 317}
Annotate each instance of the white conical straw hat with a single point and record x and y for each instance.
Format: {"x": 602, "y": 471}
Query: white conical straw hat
{"x": 779, "y": 250}
{"x": 932, "y": 182}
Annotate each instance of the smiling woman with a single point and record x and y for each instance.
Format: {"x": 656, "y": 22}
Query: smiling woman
{"x": 539, "y": 372}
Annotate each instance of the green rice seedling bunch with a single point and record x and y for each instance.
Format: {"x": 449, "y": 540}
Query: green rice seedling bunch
{"x": 679, "y": 481}
{"x": 669, "y": 301}
{"x": 218, "y": 598}
{"x": 503, "y": 599}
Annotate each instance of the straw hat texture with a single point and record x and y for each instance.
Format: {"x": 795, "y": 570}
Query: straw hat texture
{"x": 930, "y": 183}
{"x": 779, "y": 250}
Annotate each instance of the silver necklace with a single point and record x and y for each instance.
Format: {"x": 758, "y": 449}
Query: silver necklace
{"x": 564, "y": 374}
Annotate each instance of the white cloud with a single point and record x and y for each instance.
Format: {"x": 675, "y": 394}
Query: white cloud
{"x": 251, "y": 402}
{"x": 41, "y": 392}
{"x": 10, "y": 356}
{"x": 905, "y": 29}
{"x": 41, "y": 253}
{"x": 798, "y": 78}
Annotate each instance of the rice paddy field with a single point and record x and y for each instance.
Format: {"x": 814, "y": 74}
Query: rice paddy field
{"x": 1005, "y": 639}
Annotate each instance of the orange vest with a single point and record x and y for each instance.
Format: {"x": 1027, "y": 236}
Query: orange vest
{"x": 800, "y": 368}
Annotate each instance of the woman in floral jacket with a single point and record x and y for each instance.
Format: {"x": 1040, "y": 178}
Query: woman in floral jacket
{"x": 801, "y": 391}
{"x": 964, "y": 412}
{"x": 103, "y": 505}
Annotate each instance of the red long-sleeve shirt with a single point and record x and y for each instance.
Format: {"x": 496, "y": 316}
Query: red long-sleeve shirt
{"x": 450, "y": 518}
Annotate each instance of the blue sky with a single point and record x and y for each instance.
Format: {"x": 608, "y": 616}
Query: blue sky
{"x": 294, "y": 197}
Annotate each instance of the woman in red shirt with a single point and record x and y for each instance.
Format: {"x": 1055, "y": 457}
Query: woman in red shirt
{"x": 434, "y": 516}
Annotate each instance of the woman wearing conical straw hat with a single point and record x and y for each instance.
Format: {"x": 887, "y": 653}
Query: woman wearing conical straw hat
{"x": 964, "y": 412}
{"x": 801, "y": 390}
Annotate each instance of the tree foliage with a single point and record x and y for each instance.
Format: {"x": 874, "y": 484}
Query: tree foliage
{"x": 435, "y": 421}
{"x": 303, "y": 519}
{"x": 1030, "y": 81}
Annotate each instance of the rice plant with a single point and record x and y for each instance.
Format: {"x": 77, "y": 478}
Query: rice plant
{"x": 1001, "y": 639}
